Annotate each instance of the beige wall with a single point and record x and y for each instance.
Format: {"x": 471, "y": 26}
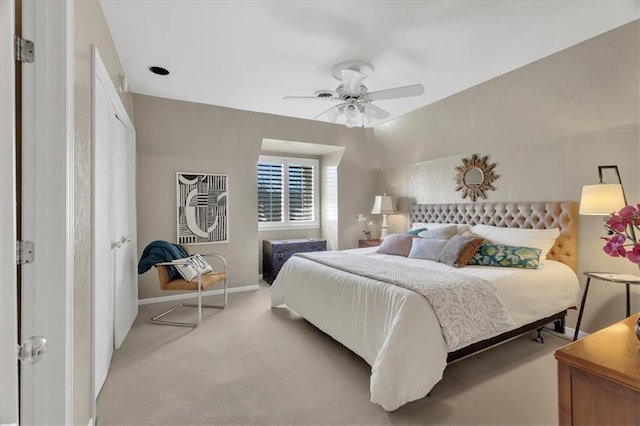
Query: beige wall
{"x": 548, "y": 126}
{"x": 177, "y": 136}
{"x": 89, "y": 28}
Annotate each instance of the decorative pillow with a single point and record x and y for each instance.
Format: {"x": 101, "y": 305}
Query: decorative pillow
{"x": 506, "y": 256}
{"x": 461, "y": 227}
{"x": 193, "y": 265}
{"x": 471, "y": 234}
{"x": 426, "y": 248}
{"x": 396, "y": 244}
{"x": 542, "y": 239}
{"x": 442, "y": 233}
{"x": 416, "y": 231}
{"x": 459, "y": 250}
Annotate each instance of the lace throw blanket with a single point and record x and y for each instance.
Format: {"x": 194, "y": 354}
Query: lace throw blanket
{"x": 468, "y": 308}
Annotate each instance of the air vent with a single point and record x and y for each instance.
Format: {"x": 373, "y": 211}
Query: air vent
{"x": 159, "y": 70}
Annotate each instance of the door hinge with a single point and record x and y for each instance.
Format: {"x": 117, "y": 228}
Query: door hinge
{"x": 23, "y": 49}
{"x": 24, "y": 252}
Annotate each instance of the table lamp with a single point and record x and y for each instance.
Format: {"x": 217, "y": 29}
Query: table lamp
{"x": 384, "y": 204}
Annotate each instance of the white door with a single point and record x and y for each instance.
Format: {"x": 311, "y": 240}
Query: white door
{"x": 123, "y": 197}
{"x": 104, "y": 236}
{"x": 115, "y": 283}
{"x": 8, "y": 284}
{"x": 47, "y": 212}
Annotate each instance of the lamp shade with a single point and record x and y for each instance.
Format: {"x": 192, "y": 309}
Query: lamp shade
{"x": 384, "y": 204}
{"x": 601, "y": 199}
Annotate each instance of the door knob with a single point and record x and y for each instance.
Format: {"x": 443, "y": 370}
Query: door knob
{"x": 32, "y": 350}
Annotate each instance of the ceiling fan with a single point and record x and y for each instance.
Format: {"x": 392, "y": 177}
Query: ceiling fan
{"x": 355, "y": 97}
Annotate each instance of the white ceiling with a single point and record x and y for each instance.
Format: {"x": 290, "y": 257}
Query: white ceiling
{"x": 249, "y": 54}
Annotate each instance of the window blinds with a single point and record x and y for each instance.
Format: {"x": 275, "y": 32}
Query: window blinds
{"x": 300, "y": 193}
{"x": 270, "y": 192}
{"x": 286, "y": 192}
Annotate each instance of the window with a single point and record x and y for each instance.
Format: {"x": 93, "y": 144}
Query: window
{"x": 287, "y": 192}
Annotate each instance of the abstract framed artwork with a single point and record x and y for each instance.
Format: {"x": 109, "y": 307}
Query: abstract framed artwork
{"x": 203, "y": 213}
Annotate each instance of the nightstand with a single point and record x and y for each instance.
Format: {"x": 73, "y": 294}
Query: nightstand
{"x": 368, "y": 243}
{"x": 626, "y": 279}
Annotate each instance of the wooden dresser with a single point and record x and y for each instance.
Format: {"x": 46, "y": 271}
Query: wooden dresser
{"x": 599, "y": 377}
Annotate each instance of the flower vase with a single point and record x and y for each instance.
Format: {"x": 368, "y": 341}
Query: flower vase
{"x": 367, "y": 235}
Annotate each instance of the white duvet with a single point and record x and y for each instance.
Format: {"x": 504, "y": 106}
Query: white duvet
{"x": 394, "y": 329}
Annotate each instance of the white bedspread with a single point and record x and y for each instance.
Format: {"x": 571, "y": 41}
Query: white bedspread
{"x": 468, "y": 307}
{"x": 394, "y": 329}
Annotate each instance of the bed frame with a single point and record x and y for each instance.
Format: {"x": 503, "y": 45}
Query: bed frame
{"x": 526, "y": 215}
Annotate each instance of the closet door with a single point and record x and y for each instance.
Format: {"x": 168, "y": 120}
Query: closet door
{"x": 103, "y": 257}
{"x": 115, "y": 278}
{"x": 124, "y": 216}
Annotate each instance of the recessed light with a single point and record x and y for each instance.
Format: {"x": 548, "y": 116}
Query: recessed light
{"x": 159, "y": 70}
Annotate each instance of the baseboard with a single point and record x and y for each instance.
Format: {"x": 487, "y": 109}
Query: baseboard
{"x": 90, "y": 422}
{"x": 190, "y": 295}
{"x": 568, "y": 332}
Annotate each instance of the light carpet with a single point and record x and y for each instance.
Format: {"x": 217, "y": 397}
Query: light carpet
{"x": 253, "y": 365}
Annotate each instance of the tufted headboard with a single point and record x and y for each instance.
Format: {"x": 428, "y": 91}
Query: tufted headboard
{"x": 530, "y": 215}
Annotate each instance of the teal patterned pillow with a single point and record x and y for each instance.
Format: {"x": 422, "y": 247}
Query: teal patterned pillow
{"x": 506, "y": 256}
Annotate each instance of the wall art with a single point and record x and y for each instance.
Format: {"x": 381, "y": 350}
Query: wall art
{"x": 475, "y": 177}
{"x": 203, "y": 213}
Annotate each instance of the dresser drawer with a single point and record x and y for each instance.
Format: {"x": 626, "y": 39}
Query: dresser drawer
{"x": 276, "y": 252}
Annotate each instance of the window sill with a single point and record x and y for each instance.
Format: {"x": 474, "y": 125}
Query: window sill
{"x": 263, "y": 228}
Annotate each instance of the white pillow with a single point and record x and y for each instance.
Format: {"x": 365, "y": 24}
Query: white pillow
{"x": 461, "y": 228}
{"x": 426, "y": 249}
{"x": 542, "y": 239}
{"x": 418, "y": 225}
{"x": 444, "y": 232}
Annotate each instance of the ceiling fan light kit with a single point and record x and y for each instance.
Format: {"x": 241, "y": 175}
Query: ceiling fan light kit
{"x": 356, "y": 106}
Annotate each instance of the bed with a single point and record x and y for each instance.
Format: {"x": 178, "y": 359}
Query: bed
{"x": 396, "y": 330}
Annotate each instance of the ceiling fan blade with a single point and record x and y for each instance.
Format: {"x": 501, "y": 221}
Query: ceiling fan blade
{"x": 332, "y": 113}
{"x": 317, "y": 98}
{"x": 351, "y": 80}
{"x": 397, "y": 92}
{"x": 375, "y": 112}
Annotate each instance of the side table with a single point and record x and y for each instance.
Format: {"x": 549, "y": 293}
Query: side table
{"x": 611, "y": 277}
{"x": 368, "y": 243}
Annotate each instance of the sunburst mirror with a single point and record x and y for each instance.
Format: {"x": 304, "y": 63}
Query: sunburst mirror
{"x": 475, "y": 177}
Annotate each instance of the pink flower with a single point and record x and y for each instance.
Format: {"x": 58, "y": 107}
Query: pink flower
{"x": 628, "y": 211}
{"x": 625, "y": 227}
{"x": 618, "y": 223}
{"x": 634, "y": 255}
{"x": 615, "y": 246}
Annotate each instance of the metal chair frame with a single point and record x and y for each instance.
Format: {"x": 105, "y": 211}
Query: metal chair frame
{"x": 199, "y": 305}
